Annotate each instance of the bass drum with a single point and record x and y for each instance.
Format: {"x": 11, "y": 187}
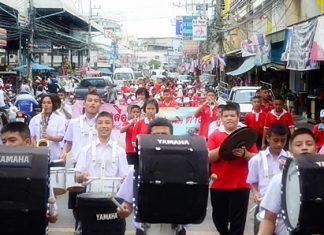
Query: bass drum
{"x": 303, "y": 194}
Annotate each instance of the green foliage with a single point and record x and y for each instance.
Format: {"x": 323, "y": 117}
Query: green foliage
{"x": 154, "y": 64}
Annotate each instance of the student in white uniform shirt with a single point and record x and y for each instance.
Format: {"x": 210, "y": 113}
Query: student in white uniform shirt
{"x": 102, "y": 157}
{"x": 48, "y": 125}
{"x": 302, "y": 141}
{"x": 102, "y": 150}
{"x": 266, "y": 164}
{"x": 80, "y": 132}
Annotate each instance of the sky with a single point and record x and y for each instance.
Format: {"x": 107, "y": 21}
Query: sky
{"x": 141, "y": 18}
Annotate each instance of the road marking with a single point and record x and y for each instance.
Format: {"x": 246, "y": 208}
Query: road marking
{"x": 71, "y": 230}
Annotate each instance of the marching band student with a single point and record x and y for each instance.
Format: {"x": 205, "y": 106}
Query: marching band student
{"x": 207, "y": 113}
{"x": 126, "y": 191}
{"x": 266, "y": 103}
{"x": 102, "y": 157}
{"x": 266, "y": 164}
{"x": 18, "y": 134}
{"x": 65, "y": 109}
{"x": 79, "y": 133}
{"x": 229, "y": 191}
{"x": 104, "y": 150}
{"x": 168, "y": 100}
{"x": 141, "y": 95}
{"x": 150, "y": 108}
{"x": 318, "y": 131}
{"x": 277, "y": 114}
{"x": 302, "y": 141}
{"x": 48, "y": 125}
{"x": 255, "y": 119}
{"x": 215, "y": 124}
{"x": 134, "y": 114}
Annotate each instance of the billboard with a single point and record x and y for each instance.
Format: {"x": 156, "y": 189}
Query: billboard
{"x": 179, "y": 27}
{"x": 199, "y": 30}
{"x": 187, "y": 26}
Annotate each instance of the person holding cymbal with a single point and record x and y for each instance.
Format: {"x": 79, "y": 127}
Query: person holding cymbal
{"x": 229, "y": 190}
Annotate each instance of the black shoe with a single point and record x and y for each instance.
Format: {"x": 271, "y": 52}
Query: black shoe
{"x": 181, "y": 232}
{"x": 140, "y": 232}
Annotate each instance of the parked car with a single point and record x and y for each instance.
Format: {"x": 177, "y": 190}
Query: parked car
{"x": 239, "y": 94}
{"x": 105, "y": 88}
{"x": 185, "y": 79}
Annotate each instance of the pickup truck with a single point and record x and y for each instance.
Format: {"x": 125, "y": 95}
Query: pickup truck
{"x": 105, "y": 88}
{"x": 238, "y": 94}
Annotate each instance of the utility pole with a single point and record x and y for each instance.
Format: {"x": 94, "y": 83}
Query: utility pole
{"x": 31, "y": 39}
{"x": 89, "y": 36}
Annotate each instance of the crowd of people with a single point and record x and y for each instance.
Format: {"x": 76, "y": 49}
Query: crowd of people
{"x": 88, "y": 143}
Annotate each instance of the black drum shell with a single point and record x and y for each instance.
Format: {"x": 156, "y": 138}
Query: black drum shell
{"x": 162, "y": 192}
{"x": 89, "y": 205}
{"x": 311, "y": 181}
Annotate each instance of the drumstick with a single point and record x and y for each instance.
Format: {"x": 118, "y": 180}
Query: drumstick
{"x": 111, "y": 197}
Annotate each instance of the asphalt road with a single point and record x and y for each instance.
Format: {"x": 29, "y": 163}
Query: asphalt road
{"x": 65, "y": 223}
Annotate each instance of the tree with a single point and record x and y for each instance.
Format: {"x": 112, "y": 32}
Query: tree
{"x": 154, "y": 64}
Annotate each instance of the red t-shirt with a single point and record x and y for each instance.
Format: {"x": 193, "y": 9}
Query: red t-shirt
{"x": 129, "y": 148}
{"x": 125, "y": 89}
{"x": 320, "y": 136}
{"x": 250, "y": 121}
{"x": 207, "y": 115}
{"x": 172, "y": 104}
{"x": 139, "y": 128}
{"x": 230, "y": 174}
{"x": 284, "y": 118}
{"x": 267, "y": 108}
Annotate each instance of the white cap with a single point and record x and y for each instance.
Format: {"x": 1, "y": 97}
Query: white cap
{"x": 322, "y": 113}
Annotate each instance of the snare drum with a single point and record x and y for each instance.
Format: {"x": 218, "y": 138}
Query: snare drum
{"x": 98, "y": 214}
{"x": 57, "y": 163}
{"x": 104, "y": 184}
{"x": 71, "y": 184}
{"x": 57, "y": 177}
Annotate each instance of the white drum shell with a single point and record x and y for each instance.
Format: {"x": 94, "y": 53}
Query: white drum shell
{"x": 103, "y": 185}
{"x": 71, "y": 184}
{"x": 57, "y": 176}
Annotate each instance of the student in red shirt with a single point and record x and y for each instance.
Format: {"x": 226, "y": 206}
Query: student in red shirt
{"x": 150, "y": 108}
{"x": 229, "y": 191}
{"x": 207, "y": 113}
{"x": 277, "y": 114}
{"x": 318, "y": 131}
{"x": 168, "y": 100}
{"x": 256, "y": 118}
{"x": 134, "y": 114}
{"x": 126, "y": 87}
{"x": 266, "y": 103}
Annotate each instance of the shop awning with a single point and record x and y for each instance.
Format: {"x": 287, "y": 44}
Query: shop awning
{"x": 247, "y": 65}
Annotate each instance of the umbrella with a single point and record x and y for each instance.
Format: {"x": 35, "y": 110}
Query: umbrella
{"x": 34, "y": 66}
{"x": 105, "y": 71}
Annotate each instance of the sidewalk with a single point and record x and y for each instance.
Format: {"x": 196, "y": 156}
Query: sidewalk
{"x": 300, "y": 121}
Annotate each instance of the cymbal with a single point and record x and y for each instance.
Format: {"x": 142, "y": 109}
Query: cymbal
{"x": 244, "y": 136}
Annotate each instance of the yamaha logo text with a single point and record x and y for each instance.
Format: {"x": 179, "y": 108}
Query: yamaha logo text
{"x": 173, "y": 142}
{"x": 107, "y": 216}
{"x": 15, "y": 160}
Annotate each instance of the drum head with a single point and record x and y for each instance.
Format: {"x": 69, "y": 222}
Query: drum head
{"x": 244, "y": 136}
{"x": 291, "y": 200}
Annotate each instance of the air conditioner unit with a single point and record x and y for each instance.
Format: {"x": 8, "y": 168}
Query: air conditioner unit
{"x": 13, "y": 58}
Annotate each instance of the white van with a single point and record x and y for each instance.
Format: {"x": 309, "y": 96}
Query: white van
{"x": 123, "y": 74}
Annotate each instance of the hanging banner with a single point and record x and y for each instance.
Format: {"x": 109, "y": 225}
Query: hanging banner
{"x": 3, "y": 37}
{"x": 199, "y": 30}
{"x": 300, "y": 47}
{"x": 317, "y": 52}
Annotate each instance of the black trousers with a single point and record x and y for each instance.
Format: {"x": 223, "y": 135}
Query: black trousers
{"x": 229, "y": 210}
